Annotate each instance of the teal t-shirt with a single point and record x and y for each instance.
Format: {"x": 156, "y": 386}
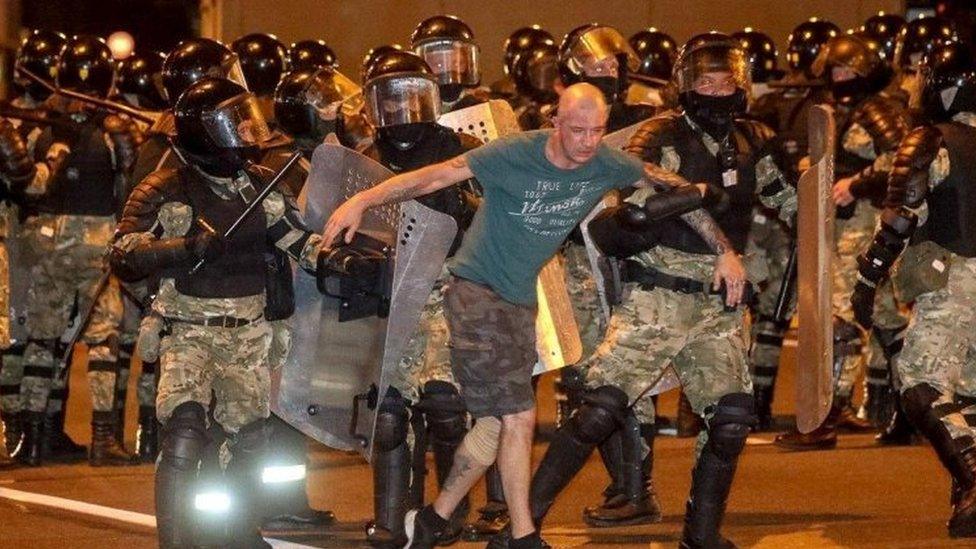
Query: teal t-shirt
{"x": 529, "y": 208}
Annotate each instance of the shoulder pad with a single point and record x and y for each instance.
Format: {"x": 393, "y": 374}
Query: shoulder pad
{"x": 885, "y": 120}
{"x": 156, "y": 189}
{"x": 653, "y": 134}
{"x": 908, "y": 180}
{"x": 757, "y": 132}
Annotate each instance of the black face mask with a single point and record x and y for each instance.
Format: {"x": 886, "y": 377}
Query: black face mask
{"x": 715, "y": 114}
{"x": 227, "y": 162}
{"x": 403, "y": 136}
{"x": 849, "y": 91}
{"x": 451, "y": 92}
{"x": 608, "y": 85}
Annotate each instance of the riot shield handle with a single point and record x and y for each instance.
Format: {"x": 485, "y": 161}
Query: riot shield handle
{"x": 370, "y": 397}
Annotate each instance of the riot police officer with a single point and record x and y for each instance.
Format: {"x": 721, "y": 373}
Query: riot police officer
{"x": 140, "y": 81}
{"x": 306, "y": 54}
{"x": 657, "y": 51}
{"x": 263, "y": 59}
{"x": 885, "y": 28}
{"x": 535, "y": 75}
{"x": 929, "y": 207}
{"x": 447, "y": 45}
{"x": 520, "y": 40}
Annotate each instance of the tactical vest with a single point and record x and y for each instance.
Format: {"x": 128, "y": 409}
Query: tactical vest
{"x": 85, "y": 184}
{"x": 698, "y": 165}
{"x": 240, "y": 271}
{"x": 952, "y": 204}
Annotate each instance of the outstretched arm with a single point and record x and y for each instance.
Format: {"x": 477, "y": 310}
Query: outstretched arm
{"x": 406, "y": 186}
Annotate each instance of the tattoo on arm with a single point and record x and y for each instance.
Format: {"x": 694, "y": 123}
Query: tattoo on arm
{"x": 708, "y": 229}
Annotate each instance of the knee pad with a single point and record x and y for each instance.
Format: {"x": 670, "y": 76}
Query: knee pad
{"x": 891, "y": 339}
{"x": 185, "y": 436}
{"x": 731, "y": 420}
{"x": 847, "y": 338}
{"x": 603, "y": 411}
{"x": 444, "y": 411}
{"x": 481, "y": 442}
{"x": 917, "y": 402}
{"x": 391, "y": 423}
{"x": 571, "y": 379}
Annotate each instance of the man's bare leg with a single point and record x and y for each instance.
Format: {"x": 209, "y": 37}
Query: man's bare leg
{"x": 473, "y": 457}
{"x": 515, "y": 466}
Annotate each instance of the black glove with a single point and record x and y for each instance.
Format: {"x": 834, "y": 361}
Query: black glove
{"x": 15, "y": 163}
{"x": 862, "y": 301}
{"x": 206, "y": 245}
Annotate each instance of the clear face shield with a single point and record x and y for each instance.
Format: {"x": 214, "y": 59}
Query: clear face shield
{"x": 542, "y": 72}
{"x": 332, "y": 92}
{"x": 453, "y": 61}
{"x": 715, "y": 69}
{"x": 237, "y": 123}
{"x": 393, "y": 100}
{"x": 598, "y": 48}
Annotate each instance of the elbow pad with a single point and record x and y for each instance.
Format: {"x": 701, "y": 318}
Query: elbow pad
{"x": 615, "y": 236}
{"x": 679, "y": 201}
{"x": 150, "y": 257}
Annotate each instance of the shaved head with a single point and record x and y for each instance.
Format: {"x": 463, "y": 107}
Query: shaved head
{"x": 582, "y": 96}
{"x": 580, "y": 122}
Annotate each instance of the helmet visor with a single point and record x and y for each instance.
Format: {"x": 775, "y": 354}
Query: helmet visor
{"x": 453, "y": 61}
{"x": 402, "y": 99}
{"x": 237, "y": 123}
{"x": 598, "y": 44}
{"x": 542, "y": 72}
{"x": 713, "y": 69}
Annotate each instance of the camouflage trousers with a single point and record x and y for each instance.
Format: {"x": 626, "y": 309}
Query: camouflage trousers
{"x": 854, "y": 236}
{"x": 654, "y": 329}
{"x": 69, "y": 266}
{"x": 231, "y": 363}
{"x": 128, "y": 336}
{"x": 426, "y": 356}
{"x": 771, "y": 237}
{"x": 940, "y": 344}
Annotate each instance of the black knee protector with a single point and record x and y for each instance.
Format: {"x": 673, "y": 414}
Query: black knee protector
{"x": 917, "y": 402}
{"x": 391, "y": 422}
{"x": 732, "y": 419}
{"x": 847, "y": 338}
{"x": 603, "y": 411}
{"x": 891, "y": 339}
{"x": 444, "y": 411}
{"x": 185, "y": 436}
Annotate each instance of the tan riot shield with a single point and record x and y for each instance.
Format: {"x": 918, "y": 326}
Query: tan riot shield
{"x": 486, "y": 121}
{"x": 340, "y": 364}
{"x": 815, "y": 225}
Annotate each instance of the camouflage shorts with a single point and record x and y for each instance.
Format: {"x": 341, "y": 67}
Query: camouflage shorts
{"x": 493, "y": 349}
{"x": 230, "y": 362}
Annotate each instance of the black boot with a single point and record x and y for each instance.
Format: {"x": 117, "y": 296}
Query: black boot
{"x": 689, "y": 423}
{"x": 13, "y": 436}
{"x": 711, "y": 479}
{"x": 147, "y": 436}
{"x": 105, "y": 448}
{"x": 30, "y": 452}
{"x": 493, "y": 517}
{"x": 391, "y": 475}
{"x": 183, "y": 442}
{"x": 899, "y": 431}
{"x": 638, "y": 502}
{"x": 243, "y": 475}
{"x": 612, "y": 455}
{"x": 56, "y": 444}
{"x": 958, "y": 456}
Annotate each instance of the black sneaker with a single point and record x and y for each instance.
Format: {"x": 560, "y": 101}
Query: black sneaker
{"x": 420, "y": 535}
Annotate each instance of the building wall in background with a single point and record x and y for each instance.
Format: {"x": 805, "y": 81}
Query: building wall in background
{"x": 353, "y": 27}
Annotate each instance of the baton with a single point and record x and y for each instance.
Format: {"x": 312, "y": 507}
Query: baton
{"x": 292, "y": 160}
{"x": 786, "y": 289}
{"x": 91, "y": 100}
{"x": 82, "y": 323}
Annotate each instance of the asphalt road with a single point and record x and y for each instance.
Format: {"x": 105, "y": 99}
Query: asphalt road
{"x": 855, "y": 496}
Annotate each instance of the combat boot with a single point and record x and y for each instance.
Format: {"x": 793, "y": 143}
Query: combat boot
{"x": 763, "y": 395}
{"x": 823, "y": 437}
{"x": 147, "y": 436}
{"x": 13, "y": 435}
{"x": 847, "y": 419}
{"x": 105, "y": 449}
{"x": 637, "y": 503}
{"x": 243, "y": 474}
{"x": 30, "y": 451}
{"x": 56, "y": 445}
{"x": 899, "y": 431}
{"x": 689, "y": 423}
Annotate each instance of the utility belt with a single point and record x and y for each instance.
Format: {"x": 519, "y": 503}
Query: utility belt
{"x": 649, "y": 278}
{"x": 153, "y": 327}
{"x": 216, "y": 321}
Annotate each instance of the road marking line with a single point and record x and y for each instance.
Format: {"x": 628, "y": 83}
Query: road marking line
{"x": 112, "y": 513}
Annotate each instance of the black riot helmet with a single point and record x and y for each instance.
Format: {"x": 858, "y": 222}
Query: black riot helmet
{"x": 86, "y": 66}
{"x": 304, "y": 97}
{"x": 402, "y": 97}
{"x": 884, "y": 27}
{"x": 374, "y": 54}
{"x": 948, "y": 82}
{"x": 39, "y": 54}
{"x": 584, "y": 55}
{"x": 219, "y": 126}
{"x": 197, "y": 58}
{"x": 535, "y": 72}
{"x": 262, "y": 60}
{"x": 306, "y": 54}
{"x": 522, "y": 39}
{"x": 711, "y": 78}
{"x": 870, "y": 74}
{"x": 804, "y": 43}
{"x": 761, "y": 53}
{"x": 447, "y": 45}
{"x": 656, "y": 51}
{"x": 140, "y": 80}
{"x": 920, "y": 37}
